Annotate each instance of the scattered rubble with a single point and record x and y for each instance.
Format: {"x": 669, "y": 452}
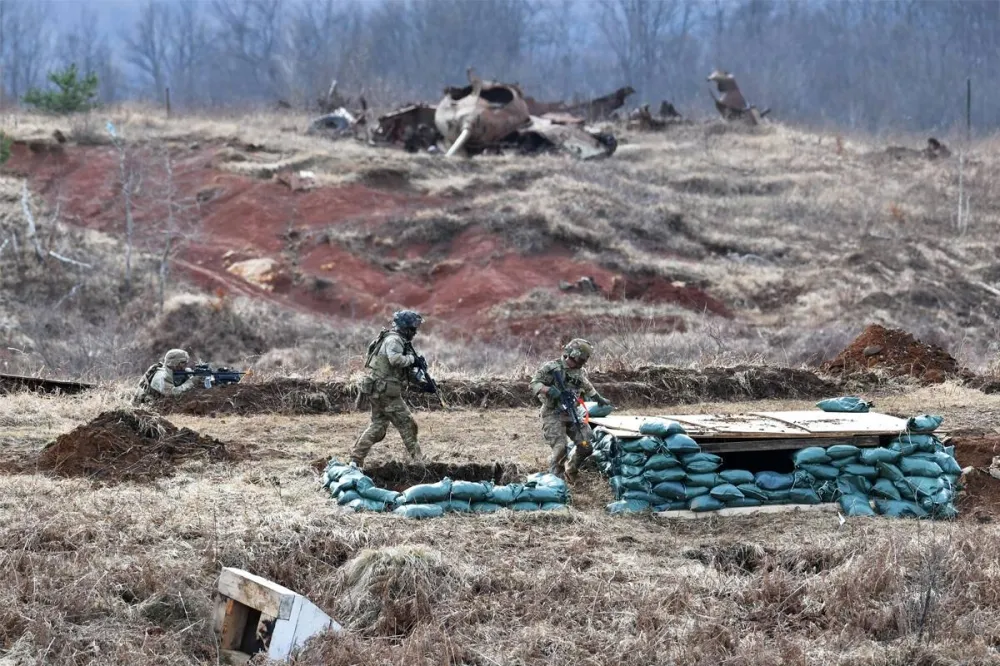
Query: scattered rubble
{"x": 125, "y": 445}
{"x": 895, "y": 353}
{"x": 480, "y": 114}
{"x": 642, "y": 119}
{"x": 732, "y": 105}
{"x": 412, "y": 127}
{"x": 600, "y": 108}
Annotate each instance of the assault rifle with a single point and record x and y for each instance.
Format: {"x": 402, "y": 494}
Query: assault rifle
{"x": 221, "y": 376}
{"x": 422, "y": 375}
{"x": 571, "y": 404}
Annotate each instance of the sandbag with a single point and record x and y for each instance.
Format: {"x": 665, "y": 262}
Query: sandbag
{"x": 923, "y": 423}
{"x": 822, "y": 472}
{"x": 362, "y": 504}
{"x": 906, "y": 491}
{"x": 774, "y": 481}
{"x": 525, "y": 506}
{"x": 659, "y": 476}
{"x": 855, "y": 505}
{"x": 701, "y": 467}
{"x": 347, "y": 497}
{"x": 803, "y": 496}
{"x": 706, "y": 480}
{"x": 736, "y": 476}
{"x": 777, "y": 496}
{"x": 878, "y": 454}
{"x": 911, "y": 442}
{"x": 841, "y": 463}
{"x": 849, "y": 484}
{"x": 335, "y": 470}
{"x": 744, "y": 502}
{"x": 838, "y": 451}
{"x": 945, "y": 511}
{"x": 867, "y": 471}
{"x": 924, "y": 486}
{"x": 671, "y": 490}
{"x": 377, "y": 494}
{"x": 540, "y": 494}
{"x": 706, "y": 503}
{"x": 660, "y": 428}
{"x": 508, "y": 494}
{"x": 899, "y": 509}
{"x": 947, "y": 463}
{"x": 803, "y": 479}
{"x": 646, "y": 445}
{"x": 918, "y": 467}
{"x": 690, "y": 492}
{"x": 627, "y": 506}
{"x": 681, "y": 444}
{"x": 598, "y": 411}
{"x": 828, "y": 491}
{"x": 692, "y": 458}
{"x": 952, "y": 480}
{"x": 457, "y": 506}
{"x": 348, "y": 482}
{"x": 752, "y": 491}
{"x": 890, "y": 471}
{"x": 813, "y": 455}
{"x": 650, "y": 498}
{"x": 553, "y": 506}
{"x": 637, "y": 459}
{"x": 676, "y": 505}
{"x": 660, "y": 461}
{"x": 426, "y": 493}
{"x": 886, "y": 489}
{"x": 726, "y": 492}
{"x": 547, "y": 480}
{"x": 631, "y": 470}
{"x": 850, "y": 404}
{"x": 634, "y": 483}
{"x": 420, "y": 510}
{"x": 485, "y": 507}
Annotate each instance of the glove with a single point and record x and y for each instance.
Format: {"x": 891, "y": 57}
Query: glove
{"x": 410, "y": 359}
{"x": 602, "y": 401}
{"x": 553, "y": 392}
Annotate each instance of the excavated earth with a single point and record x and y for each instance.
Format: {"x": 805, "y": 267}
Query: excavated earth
{"x": 129, "y": 446}
{"x": 896, "y": 353}
{"x": 645, "y": 387}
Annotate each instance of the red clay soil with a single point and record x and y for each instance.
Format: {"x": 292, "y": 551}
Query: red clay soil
{"x": 242, "y": 217}
{"x": 127, "y": 446}
{"x": 898, "y": 354}
{"x": 980, "y": 499}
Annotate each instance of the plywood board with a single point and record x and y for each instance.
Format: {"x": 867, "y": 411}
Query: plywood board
{"x": 820, "y": 422}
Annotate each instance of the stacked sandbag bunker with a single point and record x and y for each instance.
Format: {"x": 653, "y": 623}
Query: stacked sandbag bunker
{"x": 665, "y": 470}
{"x": 352, "y": 488}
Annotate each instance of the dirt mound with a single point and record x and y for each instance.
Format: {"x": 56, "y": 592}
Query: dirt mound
{"x": 399, "y": 476}
{"x": 646, "y": 387}
{"x": 898, "y": 354}
{"x": 980, "y": 501}
{"x": 127, "y": 446}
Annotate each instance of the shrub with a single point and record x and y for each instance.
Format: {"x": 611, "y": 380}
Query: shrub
{"x": 73, "y": 94}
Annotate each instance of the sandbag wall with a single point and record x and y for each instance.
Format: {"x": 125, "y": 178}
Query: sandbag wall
{"x": 665, "y": 470}
{"x": 352, "y": 488}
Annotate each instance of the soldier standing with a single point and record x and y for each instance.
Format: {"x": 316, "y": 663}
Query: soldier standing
{"x": 556, "y": 424}
{"x": 390, "y": 367}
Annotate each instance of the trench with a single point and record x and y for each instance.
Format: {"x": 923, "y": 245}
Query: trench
{"x": 399, "y": 476}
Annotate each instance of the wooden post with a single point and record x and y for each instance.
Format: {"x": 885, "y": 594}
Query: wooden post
{"x": 968, "y": 110}
{"x": 166, "y": 96}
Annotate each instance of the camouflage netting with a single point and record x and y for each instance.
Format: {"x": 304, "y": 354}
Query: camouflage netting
{"x": 664, "y": 469}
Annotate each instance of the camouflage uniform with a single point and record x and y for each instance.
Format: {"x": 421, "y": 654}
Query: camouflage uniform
{"x": 158, "y": 380}
{"x": 390, "y": 369}
{"x": 557, "y": 426}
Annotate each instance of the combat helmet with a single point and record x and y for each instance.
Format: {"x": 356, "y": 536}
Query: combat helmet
{"x": 406, "y": 321}
{"x": 578, "y": 349}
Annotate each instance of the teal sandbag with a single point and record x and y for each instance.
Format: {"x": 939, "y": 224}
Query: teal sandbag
{"x": 778, "y": 496}
{"x": 691, "y": 458}
{"x": 627, "y": 506}
{"x": 420, "y": 510}
{"x": 706, "y": 503}
{"x": 525, "y": 506}
{"x": 855, "y": 505}
{"x": 848, "y": 484}
{"x": 347, "y": 497}
{"x": 426, "y": 493}
{"x": 752, "y": 491}
{"x": 616, "y": 488}
{"x": 899, "y": 509}
{"x": 945, "y": 511}
{"x": 547, "y": 480}
{"x": 348, "y": 482}
{"x": 660, "y": 428}
{"x": 598, "y": 411}
{"x": 541, "y": 494}
{"x": 867, "y": 471}
{"x": 952, "y": 480}
{"x": 906, "y": 491}
{"x": 911, "y": 442}
{"x": 736, "y": 476}
{"x": 671, "y": 490}
{"x": 474, "y": 491}
{"x": 803, "y": 479}
{"x": 702, "y": 467}
{"x": 636, "y": 459}
{"x": 681, "y": 444}
{"x": 631, "y": 470}
{"x": 726, "y": 492}
{"x": 362, "y": 504}
{"x": 923, "y": 455}
{"x": 508, "y": 494}
{"x": 841, "y": 463}
{"x": 923, "y": 423}
{"x": 336, "y": 470}
{"x": 838, "y": 451}
{"x": 886, "y": 489}
{"x": 706, "y": 480}
{"x": 813, "y": 455}
{"x": 890, "y": 471}
{"x": 457, "y": 506}
{"x": 485, "y": 507}
{"x": 924, "y": 486}
{"x": 553, "y": 506}
{"x": 646, "y": 445}
{"x": 828, "y": 491}
{"x": 744, "y": 502}
{"x": 947, "y": 463}
{"x": 822, "y": 472}
{"x": 676, "y": 505}
{"x": 634, "y": 483}
{"x": 690, "y": 492}
{"x": 651, "y": 498}
{"x": 380, "y": 495}
{"x": 661, "y": 461}
{"x": 918, "y": 467}
{"x": 847, "y": 403}
{"x": 943, "y": 496}
{"x": 774, "y": 481}
{"x": 878, "y": 454}
{"x": 659, "y": 476}
{"x": 803, "y": 496}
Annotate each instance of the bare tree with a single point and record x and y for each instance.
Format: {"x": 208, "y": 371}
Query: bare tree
{"x": 88, "y": 47}
{"x": 146, "y": 46}
{"x": 251, "y": 36}
{"x": 180, "y": 223}
{"x": 25, "y": 44}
